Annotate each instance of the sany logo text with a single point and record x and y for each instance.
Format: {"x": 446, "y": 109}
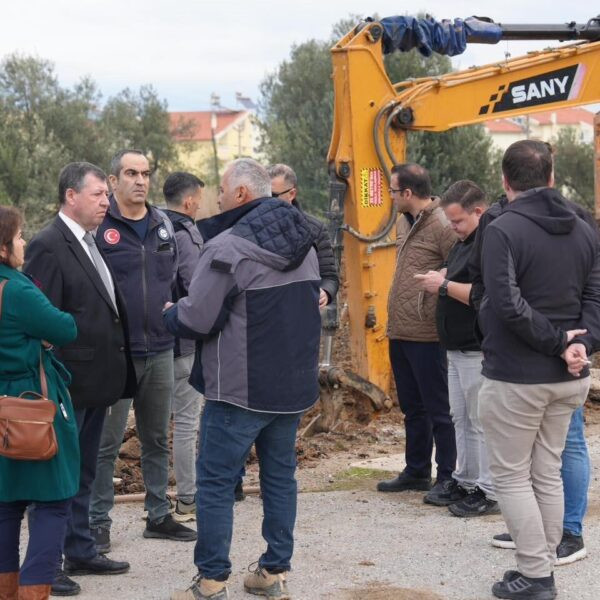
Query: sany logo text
{"x": 542, "y": 89}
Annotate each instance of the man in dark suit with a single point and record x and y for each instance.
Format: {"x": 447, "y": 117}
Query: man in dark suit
{"x": 64, "y": 260}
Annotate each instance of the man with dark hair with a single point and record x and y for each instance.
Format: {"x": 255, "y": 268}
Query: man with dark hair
{"x": 576, "y": 468}
{"x": 253, "y": 300}
{"x": 463, "y": 203}
{"x": 65, "y": 260}
{"x": 183, "y": 194}
{"x": 424, "y": 238}
{"x": 139, "y": 243}
{"x": 536, "y": 340}
{"x": 284, "y": 185}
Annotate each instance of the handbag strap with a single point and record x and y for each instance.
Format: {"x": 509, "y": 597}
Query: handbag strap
{"x": 43, "y": 380}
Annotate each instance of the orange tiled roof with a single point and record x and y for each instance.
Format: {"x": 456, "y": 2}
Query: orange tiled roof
{"x": 199, "y": 121}
{"x": 502, "y": 126}
{"x": 564, "y": 116}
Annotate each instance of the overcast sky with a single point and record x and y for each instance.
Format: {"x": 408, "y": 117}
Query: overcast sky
{"x": 189, "y": 48}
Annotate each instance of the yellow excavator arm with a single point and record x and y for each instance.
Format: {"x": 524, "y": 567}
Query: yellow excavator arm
{"x": 371, "y": 118}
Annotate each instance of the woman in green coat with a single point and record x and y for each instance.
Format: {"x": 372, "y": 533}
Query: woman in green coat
{"x": 29, "y": 324}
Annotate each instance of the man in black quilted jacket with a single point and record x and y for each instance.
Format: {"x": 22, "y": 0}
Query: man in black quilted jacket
{"x": 284, "y": 185}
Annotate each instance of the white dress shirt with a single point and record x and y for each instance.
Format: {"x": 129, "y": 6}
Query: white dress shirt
{"x": 78, "y": 231}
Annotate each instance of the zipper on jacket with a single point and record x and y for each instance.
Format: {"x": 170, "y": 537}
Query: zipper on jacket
{"x": 145, "y": 295}
{"x": 414, "y": 225}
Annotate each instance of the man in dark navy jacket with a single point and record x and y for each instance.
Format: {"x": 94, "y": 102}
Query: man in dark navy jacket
{"x": 254, "y": 301}
{"x": 139, "y": 244}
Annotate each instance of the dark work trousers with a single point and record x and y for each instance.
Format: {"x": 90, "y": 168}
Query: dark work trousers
{"x": 421, "y": 374}
{"x": 47, "y": 524}
{"x": 79, "y": 543}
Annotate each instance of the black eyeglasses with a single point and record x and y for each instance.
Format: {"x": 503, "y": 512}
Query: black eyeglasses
{"x": 277, "y": 194}
{"x": 393, "y": 191}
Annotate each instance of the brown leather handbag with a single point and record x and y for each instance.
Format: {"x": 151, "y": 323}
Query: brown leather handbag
{"x": 26, "y": 424}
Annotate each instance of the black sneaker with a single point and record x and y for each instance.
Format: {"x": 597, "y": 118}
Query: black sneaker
{"x": 63, "y": 585}
{"x": 102, "y": 537}
{"x": 476, "y": 504}
{"x": 570, "y": 549}
{"x": 444, "y": 493}
{"x": 99, "y": 565}
{"x": 503, "y": 540}
{"x": 169, "y": 529}
{"x": 405, "y": 482}
{"x": 516, "y": 587}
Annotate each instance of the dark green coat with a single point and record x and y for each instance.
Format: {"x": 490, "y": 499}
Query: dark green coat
{"x": 27, "y": 318}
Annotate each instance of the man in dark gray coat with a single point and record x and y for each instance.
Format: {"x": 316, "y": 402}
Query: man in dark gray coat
{"x": 254, "y": 303}
{"x": 284, "y": 185}
{"x": 183, "y": 194}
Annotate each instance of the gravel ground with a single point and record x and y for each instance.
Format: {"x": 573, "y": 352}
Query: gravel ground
{"x": 351, "y": 545}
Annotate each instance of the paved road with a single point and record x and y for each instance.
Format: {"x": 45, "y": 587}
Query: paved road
{"x": 349, "y": 545}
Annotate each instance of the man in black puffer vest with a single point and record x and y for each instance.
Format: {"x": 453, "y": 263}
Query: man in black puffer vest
{"x": 284, "y": 185}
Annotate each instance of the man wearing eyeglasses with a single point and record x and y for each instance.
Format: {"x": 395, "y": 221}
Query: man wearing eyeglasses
{"x": 284, "y": 186}
{"x": 424, "y": 239}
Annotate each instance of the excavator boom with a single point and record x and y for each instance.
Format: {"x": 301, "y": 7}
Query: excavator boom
{"x": 372, "y": 116}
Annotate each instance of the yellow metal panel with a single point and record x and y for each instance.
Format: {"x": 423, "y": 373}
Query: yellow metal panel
{"x": 362, "y": 92}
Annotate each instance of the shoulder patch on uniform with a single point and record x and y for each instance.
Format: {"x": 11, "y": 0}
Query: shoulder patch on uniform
{"x": 220, "y": 265}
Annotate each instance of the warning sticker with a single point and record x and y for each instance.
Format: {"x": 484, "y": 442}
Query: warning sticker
{"x": 371, "y": 193}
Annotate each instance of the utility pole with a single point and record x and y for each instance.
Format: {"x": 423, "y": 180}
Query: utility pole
{"x": 215, "y": 102}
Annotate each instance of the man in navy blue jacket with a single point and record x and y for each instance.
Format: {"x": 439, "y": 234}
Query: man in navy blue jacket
{"x": 540, "y": 319}
{"x": 139, "y": 243}
{"x": 254, "y": 301}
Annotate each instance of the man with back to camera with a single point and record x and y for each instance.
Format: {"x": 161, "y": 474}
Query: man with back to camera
{"x": 540, "y": 319}
{"x": 575, "y": 459}
{"x": 254, "y": 302}
{"x": 424, "y": 239}
{"x": 64, "y": 259}
{"x": 463, "y": 203}
{"x": 138, "y": 242}
{"x": 183, "y": 195}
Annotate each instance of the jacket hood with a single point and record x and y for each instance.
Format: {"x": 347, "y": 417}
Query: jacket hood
{"x": 280, "y": 232}
{"x": 546, "y": 208}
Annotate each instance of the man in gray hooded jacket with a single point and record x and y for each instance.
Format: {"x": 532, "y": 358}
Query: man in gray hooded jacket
{"x": 254, "y": 303}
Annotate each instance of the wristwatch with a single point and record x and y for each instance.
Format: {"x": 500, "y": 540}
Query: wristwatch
{"x": 443, "y": 289}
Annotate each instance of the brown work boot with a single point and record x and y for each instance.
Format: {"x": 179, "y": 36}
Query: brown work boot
{"x": 9, "y": 586}
{"x": 34, "y": 592}
{"x": 263, "y": 583}
{"x": 203, "y": 589}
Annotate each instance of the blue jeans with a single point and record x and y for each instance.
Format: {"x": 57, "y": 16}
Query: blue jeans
{"x": 152, "y": 406}
{"x": 575, "y": 473}
{"x": 47, "y": 526}
{"x": 227, "y": 433}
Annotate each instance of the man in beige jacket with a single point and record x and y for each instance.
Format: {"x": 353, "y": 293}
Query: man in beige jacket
{"x": 424, "y": 239}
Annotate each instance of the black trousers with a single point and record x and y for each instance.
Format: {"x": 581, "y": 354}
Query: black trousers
{"x": 79, "y": 543}
{"x": 47, "y": 524}
{"x": 421, "y": 374}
